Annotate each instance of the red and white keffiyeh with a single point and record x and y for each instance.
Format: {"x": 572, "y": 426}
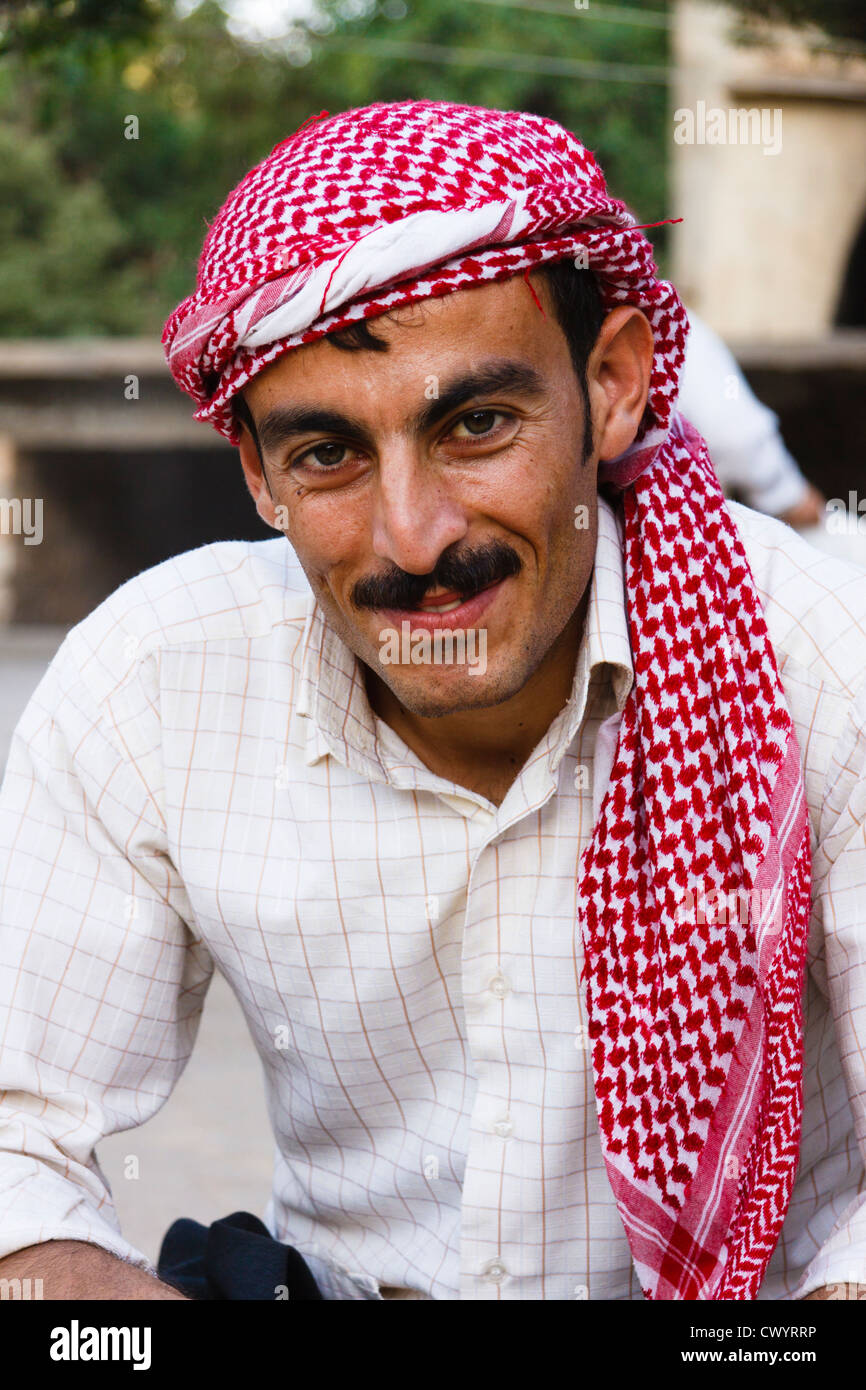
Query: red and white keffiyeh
{"x": 694, "y": 891}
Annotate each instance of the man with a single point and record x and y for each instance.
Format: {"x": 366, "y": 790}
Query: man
{"x": 519, "y": 924}
{"x": 741, "y": 433}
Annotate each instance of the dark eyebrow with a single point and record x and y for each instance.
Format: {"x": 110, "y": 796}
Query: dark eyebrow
{"x": 283, "y": 422}
{"x": 497, "y": 376}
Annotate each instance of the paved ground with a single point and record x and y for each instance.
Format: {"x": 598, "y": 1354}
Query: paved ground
{"x": 208, "y": 1151}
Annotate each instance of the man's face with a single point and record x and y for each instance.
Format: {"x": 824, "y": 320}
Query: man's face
{"x": 442, "y": 473}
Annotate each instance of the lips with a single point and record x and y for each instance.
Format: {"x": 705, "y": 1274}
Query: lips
{"x": 441, "y": 603}
{"x": 447, "y": 610}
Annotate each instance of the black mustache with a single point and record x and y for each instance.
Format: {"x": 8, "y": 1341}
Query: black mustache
{"x": 466, "y": 575}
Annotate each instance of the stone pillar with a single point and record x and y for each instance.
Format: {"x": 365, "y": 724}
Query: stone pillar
{"x": 768, "y": 222}
{"x": 8, "y": 540}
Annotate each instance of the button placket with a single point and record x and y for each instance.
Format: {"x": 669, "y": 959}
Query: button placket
{"x": 499, "y": 986}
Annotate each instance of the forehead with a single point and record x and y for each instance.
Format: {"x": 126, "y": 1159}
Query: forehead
{"x": 435, "y": 337}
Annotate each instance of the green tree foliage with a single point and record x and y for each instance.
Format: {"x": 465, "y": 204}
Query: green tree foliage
{"x": 40, "y": 28}
{"x": 57, "y": 237}
{"x": 100, "y": 232}
{"x": 622, "y": 121}
{"x": 843, "y": 19}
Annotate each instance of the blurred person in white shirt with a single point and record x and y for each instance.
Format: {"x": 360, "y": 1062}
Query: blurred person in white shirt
{"x": 742, "y": 433}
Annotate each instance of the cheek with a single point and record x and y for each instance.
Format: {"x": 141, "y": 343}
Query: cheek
{"x": 537, "y": 491}
{"x": 329, "y": 536}
{"x": 552, "y": 503}
{"x": 514, "y": 488}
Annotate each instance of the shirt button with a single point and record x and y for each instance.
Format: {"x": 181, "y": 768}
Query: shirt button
{"x": 504, "y": 1127}
{"x": 495, "y": 1272}
{"x": 499, "y": 985}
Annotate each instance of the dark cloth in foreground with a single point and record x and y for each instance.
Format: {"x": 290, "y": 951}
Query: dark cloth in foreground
{"x": 235, "y": 1257}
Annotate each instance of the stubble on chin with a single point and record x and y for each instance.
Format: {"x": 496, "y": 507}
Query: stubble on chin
{"x": 470, "y": 693}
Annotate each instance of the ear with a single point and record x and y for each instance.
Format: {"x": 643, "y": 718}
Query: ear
{"x": 618, "y": 378}
{"x": 255, "y": 478}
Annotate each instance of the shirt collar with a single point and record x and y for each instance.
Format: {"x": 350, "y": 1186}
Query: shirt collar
{"x": 333, "y": 697}
{"x": 605, "y": 650}
{"x": 606, "y": 640}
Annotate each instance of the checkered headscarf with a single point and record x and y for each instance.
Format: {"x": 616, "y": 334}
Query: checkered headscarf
{"x": 694, "y": 1010}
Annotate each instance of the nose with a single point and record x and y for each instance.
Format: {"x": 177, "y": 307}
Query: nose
{"x": 415, "y": 517}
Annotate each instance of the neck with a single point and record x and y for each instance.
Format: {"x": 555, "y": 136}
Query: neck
{"x": 485, "y": 749}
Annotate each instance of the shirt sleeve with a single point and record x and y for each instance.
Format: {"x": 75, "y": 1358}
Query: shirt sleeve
{"x": 839, "y": 882}
{"x": 101, "y": 979}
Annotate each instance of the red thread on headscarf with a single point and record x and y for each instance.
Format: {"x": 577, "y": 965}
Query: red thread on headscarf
{"x": 532, "y": 291}
{"x": 311, "y": 120}
{"x": 665, "y": 222}
{"x": 333, "y": 273}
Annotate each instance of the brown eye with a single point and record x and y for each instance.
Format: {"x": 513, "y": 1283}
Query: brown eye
{"x": 479, "y": 422}
{"x": 328, "y": 454}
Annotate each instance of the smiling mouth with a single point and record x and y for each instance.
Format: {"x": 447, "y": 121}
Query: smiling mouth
{"x": 447, "y": 602}
{"x": 441, "y": 604}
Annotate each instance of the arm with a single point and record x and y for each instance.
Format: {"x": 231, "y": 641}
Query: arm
{"x": 101, "y": 980}
{"x": 838, "y": 1271}
{"x": 742, "y": 434}
{"x": 71, "y": 1269}
{"x": 848, "y": 1291}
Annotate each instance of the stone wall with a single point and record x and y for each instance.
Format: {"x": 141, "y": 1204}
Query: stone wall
{"x": 765, "y": 238}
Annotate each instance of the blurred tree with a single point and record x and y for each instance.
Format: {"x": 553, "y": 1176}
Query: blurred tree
{"x": 39, "y": 27}
{"x": 843, "y": 19}
{"x": 58, "y": 237}
{"x": 126, "y": 124}
{"x": 611, "y": 92}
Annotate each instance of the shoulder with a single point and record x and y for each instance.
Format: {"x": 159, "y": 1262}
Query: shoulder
{"x": 225, "y": 593}
{"x": 814, "y": 603}
{"x": 815, "y": 608}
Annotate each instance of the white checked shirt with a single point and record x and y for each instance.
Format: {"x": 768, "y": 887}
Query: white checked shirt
{"x": 199, "y": 783}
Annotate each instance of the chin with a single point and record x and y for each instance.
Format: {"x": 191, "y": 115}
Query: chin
{"x": 454, "y": 692}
